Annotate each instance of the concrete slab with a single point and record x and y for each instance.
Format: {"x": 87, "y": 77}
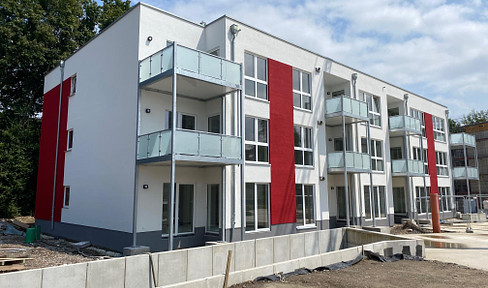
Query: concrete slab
{"x": 264, "y": 252}
{"x": 281, "y": 249}
{"x": 215, "y": 281}
{"x": 251, "y": 274}
{"x": 65, "y": 276}
{"x": 130, "y": 251}
{"x": 331, "y": 258}
{"x": 172, "y": 267}
{"x": 297, "y": 246}
{"x": 106, "y": 273}
{"x": 235, "y": 278}
{"x": 312, "y": 243}
{"x": 199, "y": 263}
{"x": 245, "y": 255}
{"x": 324, "y": 241}
{"x": 474, "y": 258}
{"x": 137, "y": 271}
{"x": 286, "y": 267}
{"x": 220, "y": 253}
{"x": 23, "y": 279}
{"x": 351, "y": 253}
{"x": 310, "y": 262}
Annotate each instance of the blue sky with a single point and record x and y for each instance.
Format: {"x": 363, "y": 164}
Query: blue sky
{"x": 434, "y": 48}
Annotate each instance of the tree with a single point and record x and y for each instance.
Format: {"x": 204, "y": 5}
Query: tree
{"x": 474, "y": 117}
{"x": 34, "y": 37}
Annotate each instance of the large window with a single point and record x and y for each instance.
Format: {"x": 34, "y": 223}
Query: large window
{"x": 396, "y": 153}
{"x": 418, "y": 156}
{"x": 445, "y": 199}
{"x": 257, "y": 216}
{"x": 213, "y": 208}
{"x": 305, "y": 205}
{"x": 374, "y": 107}
{"x": 441, "y": 163}
{"x": 378, "y": 202}
{"x": 256, "y": 140}
{"x": 303, "y": 146}
{"x": 183, "y": 208}
{"x": 255, "y": 76}
{"x": 422, "y": 199}
{"x": 439, "y": 129}
{"x": 399, "y": 200}
{"x": 302, "y": 97}
{"x": 418, "y": 115}
{"x": 376, "y": 153}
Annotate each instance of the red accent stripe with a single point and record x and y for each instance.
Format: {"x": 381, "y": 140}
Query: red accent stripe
{"x": 429, "y": 133}
{"x": 47, "y": 153}
{"x": 281, "y": 143}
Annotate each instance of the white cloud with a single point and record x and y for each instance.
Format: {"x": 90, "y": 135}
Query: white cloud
{"x": 435, "y": 48}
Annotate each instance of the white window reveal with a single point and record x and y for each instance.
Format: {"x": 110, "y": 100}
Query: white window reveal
{"x": 256, "y": 140}
{"x": 257, "y": 206}
{"x": 255, "y": 76}
{"x": 303, "y": 146}
{"x": 305, "y": 205}
{"x": 302, "y": 97}
{"x": 183, "y": 208}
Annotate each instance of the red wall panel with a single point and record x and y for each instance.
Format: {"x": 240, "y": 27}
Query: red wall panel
{"x": 47, "y": 153}
{"x": 429, "y": 134}
{"x": 281, "y": 143}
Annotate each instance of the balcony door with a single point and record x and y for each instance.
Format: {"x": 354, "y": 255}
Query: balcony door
{"x": 184, "y": 120}
{"x": 183, "y": 208}
{"x": 399, "y": 200}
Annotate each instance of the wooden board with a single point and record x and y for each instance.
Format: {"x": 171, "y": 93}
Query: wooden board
{"x": 13, "y": 267}
{"x": 12, "y": 261}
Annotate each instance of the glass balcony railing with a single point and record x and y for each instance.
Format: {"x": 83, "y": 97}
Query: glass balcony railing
{"x": 400, "y": 166}
{"x": 190, "y": 143}
{"x": 354, "y": 160}
{"x": 191, "y": 61}
{"x": 404, "y": 122}
{"x": 346, "y": 105}
{"x": 460, "y": 172}
{"x": 462, "y": 138}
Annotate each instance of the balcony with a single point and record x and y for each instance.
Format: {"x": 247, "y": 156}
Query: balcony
{"x": 194, "y": 146}
{"x": 199, "y": 75}
{"x": 459, "y": 173}
{"x": 403, "y": 123}
{"x": 415, "y": 167}
{"x": 354, "y": 162}
{"x": 460, "y": 139}
{"x": 352, "y": 109}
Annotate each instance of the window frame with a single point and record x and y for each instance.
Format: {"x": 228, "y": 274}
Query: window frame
{"x": 416, "y": 156}
{"x": 375, "y": 143}
{"x": 370, "y": 99}
{"x": 219, "y": 209}
{"x": 302, "y": 147}
{"x": 67, "y": 191}
{"x": 313, "y": 222}
{"x": 445, "y": 192}
{"x": 254, "y": 78}
{"x": 441, "y": 163}
{"x": 417, "y": 114}
{"x": 220, "y": 123}
{"x": 256, "y": 141}
{"x": 176, "y": 210}
{"x": 70, "y": 140}
{"x": 73, "y": 84}
{"x": 377, "y": 190}
{"x": 256, "y": 215}
{"x": 439, "y": 127}
{"x": 421, "y": 202}
{"x": 301, "y": 93}
{"x": 179, "y": 120}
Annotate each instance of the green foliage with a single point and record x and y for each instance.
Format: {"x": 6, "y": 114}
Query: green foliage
{"x": 474, "y": 117}
{"x": 34, "y": 36}
{"x": 454, "y": 126}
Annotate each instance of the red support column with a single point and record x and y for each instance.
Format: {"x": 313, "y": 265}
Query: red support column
{"x": 431, "y": 158}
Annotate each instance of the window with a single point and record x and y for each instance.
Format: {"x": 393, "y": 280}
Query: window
{"x": 396, "y": 153}
{"x": 183, "y": 208}
{"x": 422, "y": 200}
{"x": 184, "y": 121}
{"x": 303, "y": 146}
{"x": 70, "y": 140}
{"x": 379, "y": 202}
{"x": 418, "y": 115}
{"x": 399, "y": 200}
{"x": 374, "y": 107}
{"x": 376, "y": 153}
{"x": 301, "y": 90}
{"x": 445, "y": 199}
{"x": 257, "y": 216}
{"x": 255, "y": 76}
{"x": 213, "y": 208}
{"x": 67, "y": 191}
{"x": 441, "y": 163}
{"x": 73, "y": 86}
{"x": 417, "y": 156}
{"x": 341, "y": 203}
{"x": 338, "y": 93}
{"x": 338, "y": 144}
{"x": 213, "y": 124}
{"x": 305, "y": 206}
{"x": 256, "y": 139}
{"x": 439, "y": 130}
{"x": 393, "y": 112}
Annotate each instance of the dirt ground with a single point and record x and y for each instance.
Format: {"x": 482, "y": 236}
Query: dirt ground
{"x": 403, "y": 273}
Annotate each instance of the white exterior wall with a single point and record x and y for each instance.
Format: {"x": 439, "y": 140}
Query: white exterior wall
{"x": 100, "y": 168}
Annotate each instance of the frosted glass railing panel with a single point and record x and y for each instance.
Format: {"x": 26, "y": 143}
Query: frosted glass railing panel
{"x": 366, "y": 161}
{"x": 231, "y": 147}
{"x": 458, "y": 172}
{"x": 346, "y": 105}
{"x": 333, "y": 105}
{"x": 416, "y": 166}
{"x": 399, "y": 166}
{"x": 165, "y": 142}
{"x": 167, "y": 59}
{"x": 363, "y": 109}
{"x": 153, "y": 145}
{"x": 186, "y": 142}
{"x": 457, "y": 139}
{"x": 210, "y": 145}
{"x": 156, "y": 61}
{"x": 187, "y": 59}
{"x": 349, "y": 159}
{"x": 355, "y": 107}
{"x": 231, "y": 72}
{"x": 335, "y": 160}
{"x": 210, "y": 66}
{"x": 470, "y": 139}
{"x": 403, "y": 122}
{"x": 145, "y": 69}
{"x": 396, "y": 122}
{"x": 472, "y": 172}
{"x": 142, "y": 147}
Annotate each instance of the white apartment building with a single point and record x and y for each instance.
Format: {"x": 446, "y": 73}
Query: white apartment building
{"x": 270, "y": 139}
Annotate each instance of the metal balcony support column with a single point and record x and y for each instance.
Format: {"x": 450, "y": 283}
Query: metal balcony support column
{"x": 243, "y": 184}
{"x": 480, "y": 202}
{"x": 173, "y": 142}
{"x": 134, "y": 204}
{"x": 371, "y": 191}
{"x": 407, "y": 178}
{"x": 224, "y": 180}
{"x": 423, "y": 174}
{"x": 467, "y": 178}
{"x": 451, "y": 168}
{"x": 346, "y": 188}
{"x": 354, "y": 77}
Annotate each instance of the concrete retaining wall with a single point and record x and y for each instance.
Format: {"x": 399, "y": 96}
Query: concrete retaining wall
{"x": 205, "y": 266}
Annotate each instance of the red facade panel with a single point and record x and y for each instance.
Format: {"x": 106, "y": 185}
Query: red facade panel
{"x": 47, "y": 153}
{"x": 429, "y": 134}
{"x": 281, "y": 143}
